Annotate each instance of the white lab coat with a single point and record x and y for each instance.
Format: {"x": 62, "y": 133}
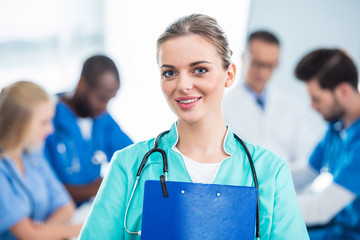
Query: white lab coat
{"x": 283, "y": 126}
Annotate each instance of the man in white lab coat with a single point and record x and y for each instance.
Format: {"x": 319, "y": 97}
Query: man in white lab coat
{"x": 262, "y": 114}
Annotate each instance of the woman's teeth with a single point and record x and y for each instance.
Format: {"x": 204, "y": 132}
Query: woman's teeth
{"x": 188, "y": 101}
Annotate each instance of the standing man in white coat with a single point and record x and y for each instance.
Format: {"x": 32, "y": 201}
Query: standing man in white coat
{"x": 262, "y": 114}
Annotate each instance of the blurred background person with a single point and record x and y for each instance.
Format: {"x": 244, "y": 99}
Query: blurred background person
{"x": 328, "y": 188}
{"x": 263, "y": 114}
{"x": 85, "y": 135}
{"x": 33, "y": 203}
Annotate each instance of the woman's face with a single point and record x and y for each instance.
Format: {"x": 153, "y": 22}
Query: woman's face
{"x": 193, "y": 78}
{"x": 41, "y": 124}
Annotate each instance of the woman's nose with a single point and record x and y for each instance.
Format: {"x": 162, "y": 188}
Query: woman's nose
{"x": 185, "y": 83}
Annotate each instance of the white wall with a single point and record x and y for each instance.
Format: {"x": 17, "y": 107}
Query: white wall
{"x": 48, "y": 43}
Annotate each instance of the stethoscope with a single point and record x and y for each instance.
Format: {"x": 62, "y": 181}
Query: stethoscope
{"x": 163, "y": 178}
{"x": 338, "y": 134}
{"x": 66, "y": 146}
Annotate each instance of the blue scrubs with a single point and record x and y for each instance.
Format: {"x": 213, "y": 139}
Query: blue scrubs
{"x": 339, "y": 153}
{"x": 280, "y": 216}
{"x": 71, "y": 156}
{"x": 36, "y": 194}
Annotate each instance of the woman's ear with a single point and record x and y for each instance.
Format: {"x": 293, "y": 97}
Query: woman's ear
{"x": 231, "y": 73}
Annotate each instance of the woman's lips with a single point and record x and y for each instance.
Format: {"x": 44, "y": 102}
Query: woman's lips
{"x": 187, "y": 102}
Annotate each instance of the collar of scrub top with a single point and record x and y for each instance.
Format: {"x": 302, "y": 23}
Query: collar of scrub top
{"x": 339, "y": 127}
{"x": 167, "y": 140}
{"x": 348, "y": 133}
{"x": 11, "y": 169}
{"x": 259, "y": 98}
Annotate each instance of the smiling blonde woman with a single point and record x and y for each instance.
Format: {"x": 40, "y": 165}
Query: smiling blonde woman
{"x": 195, "y": 67}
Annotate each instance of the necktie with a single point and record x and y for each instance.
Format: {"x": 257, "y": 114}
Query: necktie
{"x": 261, "y": 102}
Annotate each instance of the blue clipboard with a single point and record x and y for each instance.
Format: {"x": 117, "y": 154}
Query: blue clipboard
{"x": 198, "y": 211}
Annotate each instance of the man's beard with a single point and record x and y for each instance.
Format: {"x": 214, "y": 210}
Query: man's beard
{"x": 337, "y": 113}
{"x": 82, "y": 107}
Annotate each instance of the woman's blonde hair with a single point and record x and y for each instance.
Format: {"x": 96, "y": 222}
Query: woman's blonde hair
{"x": 16, "y": 111}
{"x": 202, "y": 25}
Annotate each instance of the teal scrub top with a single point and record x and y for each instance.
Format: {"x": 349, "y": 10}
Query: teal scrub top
{"x": 280, "y": 216}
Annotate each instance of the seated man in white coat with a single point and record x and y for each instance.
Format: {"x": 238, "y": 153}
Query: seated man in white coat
{"x": 262, "y": 114}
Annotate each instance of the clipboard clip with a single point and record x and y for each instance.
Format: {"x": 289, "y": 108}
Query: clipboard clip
{"x": 163, "y": 186}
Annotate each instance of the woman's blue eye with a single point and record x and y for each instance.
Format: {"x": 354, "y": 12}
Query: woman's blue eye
{"x": 168, "y": 74}
{"x": 200, "y": 70}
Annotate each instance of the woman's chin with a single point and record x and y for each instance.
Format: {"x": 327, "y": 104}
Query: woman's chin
{"x": 34, "y": 147}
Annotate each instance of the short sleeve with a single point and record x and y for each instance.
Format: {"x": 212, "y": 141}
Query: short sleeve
{"x": 12, "y": 207}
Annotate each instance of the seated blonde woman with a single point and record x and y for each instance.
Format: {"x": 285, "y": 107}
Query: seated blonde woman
{"x": 33, "y": 203}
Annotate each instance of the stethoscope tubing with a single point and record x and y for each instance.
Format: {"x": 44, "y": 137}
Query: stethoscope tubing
{"x": 165, "y": 170}
{"x": 255, "y": 183}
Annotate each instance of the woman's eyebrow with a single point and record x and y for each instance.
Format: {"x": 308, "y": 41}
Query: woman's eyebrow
{"x": 191, "y": 64}
{"x": 197, "y": 63}
{"x": 166, "y": 66}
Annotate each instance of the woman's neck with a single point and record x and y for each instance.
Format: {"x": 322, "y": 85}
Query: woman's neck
{"x": 202, "y": 141}
{"x": 16, "y": 157}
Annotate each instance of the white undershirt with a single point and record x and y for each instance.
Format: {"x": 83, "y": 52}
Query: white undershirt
{"x": 200, "y": 172}
{"x": 85, "y": 125}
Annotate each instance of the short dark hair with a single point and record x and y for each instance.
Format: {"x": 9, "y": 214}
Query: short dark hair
{"x": 95, "y": 66}
{"x": 330, "y": 67}
{"x": 263, "y": 35}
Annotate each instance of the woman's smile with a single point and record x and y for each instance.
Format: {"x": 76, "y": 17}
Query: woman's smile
{"x": 187, "y": 102}
{"x": 192, "y": 78}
